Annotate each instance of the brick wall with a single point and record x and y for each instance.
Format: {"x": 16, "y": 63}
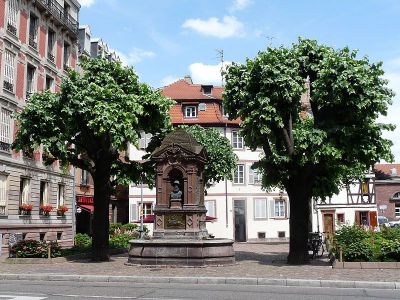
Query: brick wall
{"x": 40, "y": 83}
{"x": 2, "y": 13}
{"x": 384, "y": 191}
{"x": 23, "y": 23}
{"x": 42, "y": 41}
{"x": 19, "y": 92}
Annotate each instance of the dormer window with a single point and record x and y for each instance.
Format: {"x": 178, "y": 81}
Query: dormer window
{"x": 206, "y": 89}
{"x": 190, "y": 111}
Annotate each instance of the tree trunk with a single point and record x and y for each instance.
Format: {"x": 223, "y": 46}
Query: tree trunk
{"x": 102, "y": 191}
{"x": 300, "y": 211}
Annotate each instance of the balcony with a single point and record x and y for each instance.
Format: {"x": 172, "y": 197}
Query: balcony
{"x": 57, "y": 11}
{"x": 2, "y": 210}
{"x": 8, "y": 86}
{"x": 5, "y": 146}
{"x": 32, "y": 42}
{"x": 12, "y": 29}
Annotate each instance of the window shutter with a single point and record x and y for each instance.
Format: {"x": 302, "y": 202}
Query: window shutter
{"x": 357, "y": 218}
{"x": 272, "y": 208}
{"x": 373, "y": 219}
{"x": 287, "y": 203}
{"x": 260, "y": 209}
{"x": 133, "y": 212}
{"x": 25, "y": 194}
{"x": 251, "y": 175}
{"x": 3, "y": 190}
{"x": 45, "y": 198}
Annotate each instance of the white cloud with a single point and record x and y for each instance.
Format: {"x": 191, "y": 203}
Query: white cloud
{"x": 239, "y": 5}
{"x": 229, "y": 26}
{"x": 202, "y": 73}
{"x": 168, "y": 80}
{"x": 86, "y": 3}
{"x": 135, "y": 56}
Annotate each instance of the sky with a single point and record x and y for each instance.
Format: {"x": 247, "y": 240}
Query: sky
{"x": 164, "y": 40}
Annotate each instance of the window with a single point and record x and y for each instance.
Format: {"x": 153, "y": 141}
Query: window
{"x": 146, "y": 210}
{"x": 396, "y": 196}
{"x": 5, "y": 130}
{"x": 255, "y": 177}
{"x": 60, "y": 195}
{"x": 364, "y": 218}
{"x": 207, "y": 89}
{"x": 33, "y": 30}
{"x": 133, "y": 212}
{"x": 190, "y": 112}
{"x": 211, "y": 208}
{"x": 30, "y": 80}
{"x": 44, "y": 200}
{"x": 223, "y": 112}
{"x": 12, "y": 17}
{"x": 260, "y": 208}
{"x": 67, "y": 52}
{"x": 49, "y": 83}
{"x": 3, "y": 194}
{"x": 238, "y": 175}
{"x": 279, "y": 208}
{"x": 365, "y": 187}
{"x": 84, "y": 177}
{"x": 9, "y": 71}
{"x": 237, "y": 140}
{"x": 397, "y": 211}
{"x": 51, "y": 40}
{"x": 24, "y": 191}
{"x": 145, "y": 139}
{"x": 340, "y": 218}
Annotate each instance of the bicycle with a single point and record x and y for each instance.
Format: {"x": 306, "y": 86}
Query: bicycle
{"x": 316, "y": 244}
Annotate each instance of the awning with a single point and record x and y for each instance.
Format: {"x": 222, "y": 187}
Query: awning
{"x": 89, "y": 208}
{"x": 151, "y": 218}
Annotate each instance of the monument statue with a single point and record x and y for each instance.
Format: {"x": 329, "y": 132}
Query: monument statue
{"x": 176, "y": 193}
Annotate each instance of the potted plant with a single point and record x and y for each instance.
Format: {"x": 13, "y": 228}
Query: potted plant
{"x": 61, "y": 210}
{"x": 46, "y": 209}
{"x": 25, "y": 209}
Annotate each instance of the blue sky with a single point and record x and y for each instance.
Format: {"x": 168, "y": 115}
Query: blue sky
{"x": 166, "y": 39}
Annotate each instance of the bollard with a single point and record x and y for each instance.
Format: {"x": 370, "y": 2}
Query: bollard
{"x": 49, "y": 251}
{"x": 340, "y": 255}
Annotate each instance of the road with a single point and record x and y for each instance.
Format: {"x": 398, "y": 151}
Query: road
{"x": 41, "y": 290}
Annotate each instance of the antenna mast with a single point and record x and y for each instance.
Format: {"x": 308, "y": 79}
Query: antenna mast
{"x": 220, "y": 53}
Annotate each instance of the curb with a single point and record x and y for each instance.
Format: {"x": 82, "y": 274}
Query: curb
{"x": 207, "y": 280}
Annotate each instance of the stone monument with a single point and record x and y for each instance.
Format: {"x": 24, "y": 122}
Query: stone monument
{"x": 180, "y": 236}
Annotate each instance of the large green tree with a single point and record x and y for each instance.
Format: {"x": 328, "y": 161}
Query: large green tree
{"x": 89, "y": 123}
{"x": 311, "y": 149}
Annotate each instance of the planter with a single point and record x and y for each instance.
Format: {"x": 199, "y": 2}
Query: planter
{"x": 25, "y": 212}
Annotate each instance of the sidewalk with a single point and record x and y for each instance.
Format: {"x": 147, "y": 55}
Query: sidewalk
{"x": 254, "y": 262}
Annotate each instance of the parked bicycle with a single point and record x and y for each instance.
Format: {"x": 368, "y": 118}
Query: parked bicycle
{"x": 316, "y": 244}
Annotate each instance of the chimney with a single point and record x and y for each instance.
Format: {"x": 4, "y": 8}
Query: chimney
{"x": 188, "y": 79}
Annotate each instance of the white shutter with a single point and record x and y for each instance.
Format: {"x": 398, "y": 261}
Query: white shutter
{"x": 3, "y": 190}
{"x": 260, "y": 209}
{"x": 287, "y": 208}
{"x": 45, "y": 194}
{"x": 9, "y": 66}
{"x": 251, "y": 175}
{"x": 210, "y": 206}
{"x": 25, "y": 191}
{"x": 271, "y": 208}
{"x": 133, "y": 212}
{"x": 5, "y": 126}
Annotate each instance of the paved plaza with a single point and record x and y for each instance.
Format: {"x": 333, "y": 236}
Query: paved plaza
{"x": 252, "y": 261}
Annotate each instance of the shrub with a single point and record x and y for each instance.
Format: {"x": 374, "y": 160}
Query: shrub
{"x": 115, "y": 228}
{"x": 390, "y": 233}
{"x": 120, "y": 240}
{"x": 358, "y": 251}
{"x": 82, "y": 241}
{"x": 130, "y": 226}
{"x": 390, "y": 250}
{"x": 35, "y": 249}
{"x": 350, "y": 234}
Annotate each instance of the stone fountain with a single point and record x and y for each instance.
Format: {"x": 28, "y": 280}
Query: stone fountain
{"x": 180, "y": 236}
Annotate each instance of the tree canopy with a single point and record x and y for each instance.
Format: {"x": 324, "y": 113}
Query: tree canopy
{"x": 313, "y": 110}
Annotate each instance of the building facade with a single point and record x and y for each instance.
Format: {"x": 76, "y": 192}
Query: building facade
{"x": 38, "y": 43}
{"x": 242, "y": 210}
{"x": 355, "y": 204}
{"x": 388, "y": 190}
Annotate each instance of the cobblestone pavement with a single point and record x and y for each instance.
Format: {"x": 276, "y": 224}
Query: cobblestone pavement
{"x": 252, "y": 260}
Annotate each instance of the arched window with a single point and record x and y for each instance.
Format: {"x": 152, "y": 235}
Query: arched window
{"x": 396, "y": 196}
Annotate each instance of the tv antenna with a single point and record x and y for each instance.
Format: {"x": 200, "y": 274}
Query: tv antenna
{"x": 220, "y": 53}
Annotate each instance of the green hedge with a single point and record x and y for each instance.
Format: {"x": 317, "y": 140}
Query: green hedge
{"x": 35, "y": 249}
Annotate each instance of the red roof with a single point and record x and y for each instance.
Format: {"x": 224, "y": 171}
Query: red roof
{"x": 185, "y": 93}
{"x": 386, "y": 168}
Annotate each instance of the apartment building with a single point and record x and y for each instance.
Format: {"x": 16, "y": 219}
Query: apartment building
{"x": 38, "y": 43}
{"x": 242, "y": 210}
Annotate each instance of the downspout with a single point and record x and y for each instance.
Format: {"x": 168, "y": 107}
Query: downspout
{"x": 226, "y": 190}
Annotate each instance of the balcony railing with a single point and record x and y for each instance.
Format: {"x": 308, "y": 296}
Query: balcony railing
{"x": 51, "y": 57}
{"x": 32, "y": 42}
{"x": 58, "y": 12}
{"x": 5, "y": 146}
{"x": 11, "y": 28}
{"x": 8, "y": 86}
{"x": 2, "y": 210}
